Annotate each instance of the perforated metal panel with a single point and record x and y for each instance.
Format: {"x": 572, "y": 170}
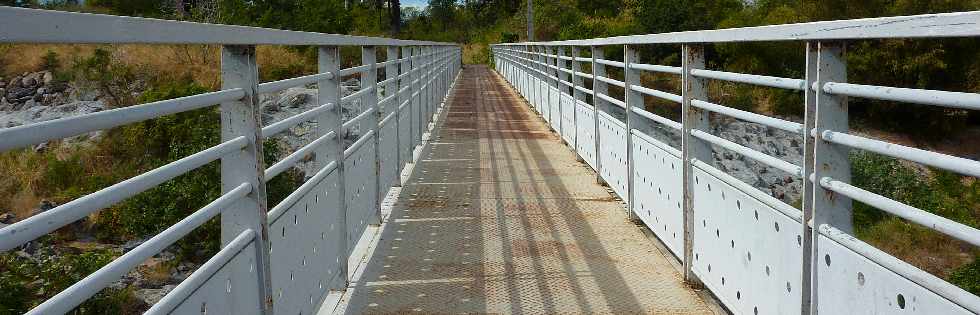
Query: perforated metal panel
{"x": 746, "y": 252}
{"x": 585, "y": 125}
{"x": 304, "y": 249}
{"x": 405, "y": 133}
{"x": 568, "y": 118}
{"x": 361, "y": 191}
{"x": 388, "y": 154}
{"x": 215, "y": 296}
{"x": 847, "y": 279}
{"x": 612, "y": 138}
{"x": 555, "y": 108}
{"x": 658, "y": 190}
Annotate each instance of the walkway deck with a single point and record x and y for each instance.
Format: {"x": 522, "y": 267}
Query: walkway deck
{"x": 499, "y": 217}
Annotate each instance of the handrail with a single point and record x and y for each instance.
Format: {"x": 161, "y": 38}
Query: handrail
{"x": 958, "y": 24}
{"x": 35, "y": 133}
{"x": 85, "y": 28}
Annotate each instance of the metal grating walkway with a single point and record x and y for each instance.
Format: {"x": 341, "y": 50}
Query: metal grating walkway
{"x": 499, "y": 217}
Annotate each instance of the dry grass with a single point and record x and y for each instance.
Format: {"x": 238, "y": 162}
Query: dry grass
{"x": 22, "y": 171}
{"x": 201, "y": 62}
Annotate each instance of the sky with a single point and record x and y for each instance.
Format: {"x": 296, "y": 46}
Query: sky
{"x": 414, "y": 3}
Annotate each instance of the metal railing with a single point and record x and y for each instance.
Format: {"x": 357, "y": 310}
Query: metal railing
{"x": 283, "y": 261}
{"x": 751, "y": 250}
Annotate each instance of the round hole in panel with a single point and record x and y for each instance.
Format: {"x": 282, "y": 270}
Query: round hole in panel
{"x": 776, "y": 224}
{"x": 738, "y": 295}
{"x": 748, "y": 255}
{"x": 204, "y": 307}
{"x": 733, "y": 243}
{"x": 860, "y": 278}
{"x": 826, "y": 258}
{"x": 717, "y": 233}
{"x": 799, "y": 240}
{"x": 756, "y": 215}
{"x": 788, "y": 287}
{"x": 709, "y": 268}
{"x": 767, "y": 270}
{"x": 722, "y": 280}
{"x": 755, "y": 310}
{"x": 738, "y": 204}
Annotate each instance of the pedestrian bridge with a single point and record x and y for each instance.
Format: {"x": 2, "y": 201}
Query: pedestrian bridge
{"x": 536, "y": 185}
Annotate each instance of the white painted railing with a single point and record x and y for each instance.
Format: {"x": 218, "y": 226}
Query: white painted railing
{"x": 748, "y": 248}
{"x": 283, "y": 261}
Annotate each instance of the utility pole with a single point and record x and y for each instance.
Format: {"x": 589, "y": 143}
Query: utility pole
{"x": 530, "y": 20}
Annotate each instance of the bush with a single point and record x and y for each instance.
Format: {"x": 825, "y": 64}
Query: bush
{"x": 114, "y": 80}
{"x": 25, "y": 283}
{"x": 968, "y": 276}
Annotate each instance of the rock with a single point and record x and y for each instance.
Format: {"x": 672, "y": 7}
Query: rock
{"x": 47, "y": 77}
{"x": 45, "y": 205}
{"x": 2, "y": 83}
{"x": 129, "y": 245}
{"x": 152, "y": 296}
{"x": 15, "y": 82}
{"x": 29, "y": 81}
{"x": 41, "y": 147}
{"x": 17, "y": 93}
{"x": 7, "y": 217}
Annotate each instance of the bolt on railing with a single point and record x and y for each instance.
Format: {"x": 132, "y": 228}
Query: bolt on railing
{"x": 756, "y": 253}
{"x": 284, "y": 260}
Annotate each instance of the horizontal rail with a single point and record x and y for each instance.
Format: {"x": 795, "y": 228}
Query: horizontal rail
{"x": 658, "y": 94}
{"x": 353, "y": 70}
{"x": 45, "y": 222}
{"x": 172, "y": 300}
{"x": 357, "y": 94}
{"x": 959, "y": 24}
{"x": 285, "y": 124}
{"x": 753, "y": 192}
{"x": 943, "y": 225}
{"x": 584, "y": 90}
{"x": 387, "y": 119}
{"x": 932, "y": 283}
{"x": 755, "y": 155}
{"x": 85, "y": 28}
{"x": 656, "y": 68}
{"x": 750, "y": 116}
{"x": 657, "y": 118}
{"x": 611, "y": 99}
{"x": 610, "y": 63}
{"x": 77, "y": 293}
{"x": 762, "y": 80}
{"x": 300, "y": 192}
{"x": 357, "y": 144}
{"x": 948, "y": 162}
{"x": 917, "y": 96}
{"x": 293, "y": 158}
{"x": 659, "y": 144}
{"x": 276, "y": 86}
{"x": 610, "y": 81}
{"x": 20, "y": 136}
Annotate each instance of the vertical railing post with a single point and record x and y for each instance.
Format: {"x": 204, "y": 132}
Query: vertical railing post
{"x": 243, "y": 118}
{"x": 577, "y": 95}
{"x": 634, "y": 99}
{"x": 598, "y": 87}
{"x": 416, "y": 97}
{"x": 369, "y": 80}
{"x": 391, "y": 88}
{"x": 562, "y": 76}
{"x": 693, "y": 88}
{"x": 553, "y": 104}
{"x": 822, "y": 159}
{"x": 405, "y": 95}
{"x": 328, "y": 92}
